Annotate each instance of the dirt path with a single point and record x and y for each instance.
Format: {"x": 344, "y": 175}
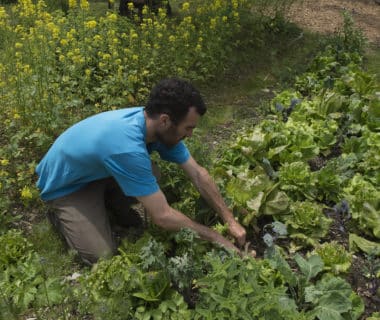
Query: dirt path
{"x": 325, "y": 16}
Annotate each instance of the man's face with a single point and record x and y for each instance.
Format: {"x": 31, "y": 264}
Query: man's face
{"x": 174, "y": 133}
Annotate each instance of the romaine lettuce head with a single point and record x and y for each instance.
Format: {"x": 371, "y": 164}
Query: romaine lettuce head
{"x": 297, "y": 180}
{"x": 373, "y": 114}
{"x": 306, "y": 222}
{"x": 364, "y": 201}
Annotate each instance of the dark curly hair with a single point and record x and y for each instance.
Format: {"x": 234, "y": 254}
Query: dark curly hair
{"x": 174, "y": 96}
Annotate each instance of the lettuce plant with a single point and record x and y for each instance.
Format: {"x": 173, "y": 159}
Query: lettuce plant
{"x": 331, "y": 179}
{"x": 364, "y": 200}
{"x": 306, "y": 222}
{"x": 297, "y": 180}
{"x": 335, "y": 257}
{"x": 255, "y": 192}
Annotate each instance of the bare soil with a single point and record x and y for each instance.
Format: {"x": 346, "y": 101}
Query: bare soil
{"x": 325, "y": 16}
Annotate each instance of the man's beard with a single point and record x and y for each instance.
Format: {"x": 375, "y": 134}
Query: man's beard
{"x": 168, "y": 137}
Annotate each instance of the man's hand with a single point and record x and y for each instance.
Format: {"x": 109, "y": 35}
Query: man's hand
{"x": 237, "y": 231}
{"x": 209, "y": 191}
{"x": 170, "y": 219}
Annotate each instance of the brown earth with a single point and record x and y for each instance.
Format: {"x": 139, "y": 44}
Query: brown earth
{"x": 325, "y": 16}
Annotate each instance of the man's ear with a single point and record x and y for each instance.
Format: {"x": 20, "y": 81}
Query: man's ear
{"x": 165, "y": 120}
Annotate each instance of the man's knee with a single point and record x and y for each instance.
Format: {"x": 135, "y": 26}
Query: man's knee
{"x": 90, "y": 257}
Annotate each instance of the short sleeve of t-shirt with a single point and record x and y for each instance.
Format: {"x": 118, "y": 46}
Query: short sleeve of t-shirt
{"x": 177, "y": 154}
{"x": 133, "y": 172}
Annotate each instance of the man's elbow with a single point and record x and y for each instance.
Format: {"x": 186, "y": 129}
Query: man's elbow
{"x": 201, "y": 177}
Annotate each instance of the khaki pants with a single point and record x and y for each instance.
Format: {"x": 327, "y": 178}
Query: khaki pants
{"x": 83, "y": 218}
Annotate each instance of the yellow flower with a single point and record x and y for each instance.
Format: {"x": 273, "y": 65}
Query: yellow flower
{"x": 132, "y": 78}
{"x": 16, "y": 116}
{"x": 161, "y": 13}
{"x": 217, "y": 4}
{"x": 112, "y": 17}
{"x": 185, "y": 6}
{"x": 97, "y": 38}
{"x": 187, "y": 19}
{"x": 212, "y": 23}
{"x": 135, "y": 57}
{"x": 72, "y": 4}
{"x": 18, "y": 45}
{"x": 4, "y": 162}
{"x": 106, "y": 56}
{"x": 3, "y": 173}
{"x": 84, "y": 4}
{"x": 3, "y": 13}
{"x": 78, "y": 59}
{"x": 87, "y": 72}
{"x": 91, "y": 24}
{"x": 27, "y": 69}
{"x": 171, "y": 38}
{"x": 224, "y": 19}
{"x": 133, "y": 34}
{"x": 26, "y": 193}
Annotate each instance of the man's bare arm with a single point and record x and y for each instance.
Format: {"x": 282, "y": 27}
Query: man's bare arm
{"x": 170, "y": 219}
{"x": 209, "y": 191}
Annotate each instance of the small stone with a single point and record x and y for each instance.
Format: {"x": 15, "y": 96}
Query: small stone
{"x": 74, "y": 276}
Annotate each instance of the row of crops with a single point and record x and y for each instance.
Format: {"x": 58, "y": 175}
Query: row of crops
{"x": 309, "y": 175}
{"x": 304, "y": 181}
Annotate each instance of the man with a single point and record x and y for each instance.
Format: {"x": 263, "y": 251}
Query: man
{"x": 103, "y": 161}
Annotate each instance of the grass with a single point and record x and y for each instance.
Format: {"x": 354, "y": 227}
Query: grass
{"x": 372, "y": 62}
{"x": 260, "y": 70}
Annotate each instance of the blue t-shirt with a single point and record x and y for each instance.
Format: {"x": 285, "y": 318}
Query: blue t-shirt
{"x": 109, "y": 144}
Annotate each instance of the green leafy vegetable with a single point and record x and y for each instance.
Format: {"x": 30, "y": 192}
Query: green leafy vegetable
{"x": 360, "y": 243}
{"x": 335, "y": 257}
{"x": 306, "y": 222}
{"x": 297, "y": 180}
{"x": 364, "y": 200}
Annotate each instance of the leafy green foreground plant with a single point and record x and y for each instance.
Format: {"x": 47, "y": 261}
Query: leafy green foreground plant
{"x": 23, "y": 279}
{"x": 324, "y": 296}
{"x": 148, "y": 280}
{"x": 237, "y": 288}
{"x": 144, "y": 281}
